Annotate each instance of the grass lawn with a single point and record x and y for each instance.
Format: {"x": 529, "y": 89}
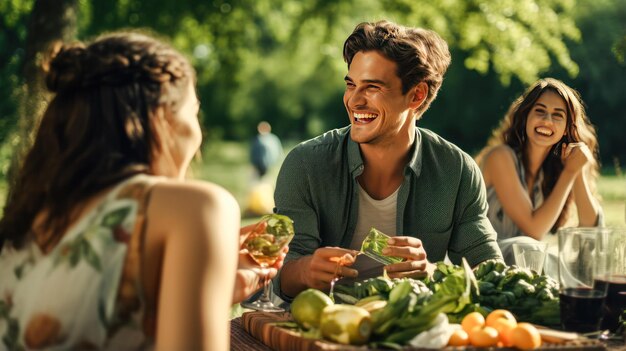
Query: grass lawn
{"x": 612, "y": 189}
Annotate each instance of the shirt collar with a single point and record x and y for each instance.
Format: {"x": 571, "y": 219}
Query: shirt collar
{"x": 355, "y": 161}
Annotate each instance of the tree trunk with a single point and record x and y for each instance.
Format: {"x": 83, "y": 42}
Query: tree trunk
{"x": 50, "y": 21}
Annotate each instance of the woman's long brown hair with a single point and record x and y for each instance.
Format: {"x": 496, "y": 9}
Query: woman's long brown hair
{"x": 101, "y": 127}
{"x": 512, "y": 132}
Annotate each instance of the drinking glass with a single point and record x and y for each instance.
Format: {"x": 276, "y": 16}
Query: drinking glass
{"x": 581, "y": 262}
{"x": 614, "y": 277}
{"x": 265, "y": 248}
{"x": 530, "y": 255}
{"x": 373, "y": 245}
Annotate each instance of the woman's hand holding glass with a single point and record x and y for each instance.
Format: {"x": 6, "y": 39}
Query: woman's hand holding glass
{"x": 266, "y": 244}
{"x": 250, "y": 275}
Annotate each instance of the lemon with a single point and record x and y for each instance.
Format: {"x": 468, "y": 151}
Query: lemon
{"x": 346, "y": 324}
{"x": 307, "y": 307}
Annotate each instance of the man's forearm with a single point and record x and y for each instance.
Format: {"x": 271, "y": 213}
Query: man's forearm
{"x": 292, "y": 276}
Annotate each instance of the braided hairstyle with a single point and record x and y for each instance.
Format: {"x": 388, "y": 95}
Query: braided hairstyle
{"x": 102, "y": 126}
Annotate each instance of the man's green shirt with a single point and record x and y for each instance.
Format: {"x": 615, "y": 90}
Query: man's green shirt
{"x": 442, "y": 199}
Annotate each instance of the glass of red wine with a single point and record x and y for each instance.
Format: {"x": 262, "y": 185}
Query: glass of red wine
{"x": 614, "y": 277}
{"x": 582, "y": 260}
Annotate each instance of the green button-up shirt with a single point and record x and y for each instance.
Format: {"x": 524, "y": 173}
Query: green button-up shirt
{"x": 441, "y": 201}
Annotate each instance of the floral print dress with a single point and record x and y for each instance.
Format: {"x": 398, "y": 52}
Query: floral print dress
{"x": 86, "y": 292}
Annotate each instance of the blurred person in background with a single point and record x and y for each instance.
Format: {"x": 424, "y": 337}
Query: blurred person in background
{"x": 265, "y": 149}
{"x": 541, "y": 160}
{"x": 103, "y": 243}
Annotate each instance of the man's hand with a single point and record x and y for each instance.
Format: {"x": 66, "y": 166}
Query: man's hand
{"x": 325, "y": 262}
{"x": 415, "y": 265}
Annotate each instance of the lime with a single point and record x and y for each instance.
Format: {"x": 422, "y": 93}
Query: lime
{"x": 307, "y": 307}
{"x": 257, "y": 243}
{"x": 346, "y": 324}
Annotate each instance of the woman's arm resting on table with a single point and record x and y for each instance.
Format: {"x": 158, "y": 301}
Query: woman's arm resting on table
{"x": 499, "y": 170}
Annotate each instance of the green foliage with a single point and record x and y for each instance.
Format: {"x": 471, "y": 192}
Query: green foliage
{"x": 13, "y": 11}
{"x": 258, "y": 60}
{"x": 501, "y": 35}
{"x": 600, "y": 82}
{"x": 281, "y": 61}
{"x": 13, "y": 20}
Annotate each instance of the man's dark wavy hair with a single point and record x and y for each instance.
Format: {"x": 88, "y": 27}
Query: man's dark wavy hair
{"x": 420, "y": 54}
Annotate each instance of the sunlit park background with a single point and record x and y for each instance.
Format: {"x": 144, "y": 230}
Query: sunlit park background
{"x": 281, "y": 61}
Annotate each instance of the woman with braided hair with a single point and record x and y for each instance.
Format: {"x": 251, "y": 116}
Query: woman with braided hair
{"x": 103, "y": 244}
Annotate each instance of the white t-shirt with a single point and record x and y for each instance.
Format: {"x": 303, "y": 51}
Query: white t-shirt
{"x": 380, "y": 214}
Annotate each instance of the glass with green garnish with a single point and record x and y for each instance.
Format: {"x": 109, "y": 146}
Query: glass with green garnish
{"x": 373, "y": 245}
{"x": 265, "y": 245}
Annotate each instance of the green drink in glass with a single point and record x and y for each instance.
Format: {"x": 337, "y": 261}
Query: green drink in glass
{"x": 265, "y": 248}
{"x": 373, "y": 245}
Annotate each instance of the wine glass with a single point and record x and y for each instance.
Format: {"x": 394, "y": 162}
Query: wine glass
{"x": 340, "y": 261}
{"x": 265, "y": 247}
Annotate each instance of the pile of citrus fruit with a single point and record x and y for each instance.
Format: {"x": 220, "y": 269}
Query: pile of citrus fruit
{"x": 307, "y": 308}
{"x": 345, "y": 324}
{"x": 499, "y": 329}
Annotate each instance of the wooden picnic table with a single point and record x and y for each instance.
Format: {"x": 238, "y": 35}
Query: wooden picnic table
{"x": 242, "y": 340}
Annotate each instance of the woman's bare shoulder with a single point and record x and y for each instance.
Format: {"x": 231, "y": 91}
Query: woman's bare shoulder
{"x": 499, "y": 150}
{"x": 193, "y": 190}
{"x": 497, "y": 154}
{"x": 497, "y": 161}
{"x": 190, "y": 197}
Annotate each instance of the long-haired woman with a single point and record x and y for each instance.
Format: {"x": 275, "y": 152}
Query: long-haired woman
{"x": 542, "y": 159}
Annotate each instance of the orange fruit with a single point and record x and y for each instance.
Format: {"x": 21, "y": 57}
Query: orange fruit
{"x": 504, "y": 327}
{"x": 525, "y": 336}
{"x": 459, "y": 338}
{"x": 497, "y": 314}
{"x": 471, "y": 321}
{"x": 483, "y": 337}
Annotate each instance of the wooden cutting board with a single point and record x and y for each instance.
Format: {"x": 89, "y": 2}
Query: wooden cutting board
{"x": 261, "y": 326}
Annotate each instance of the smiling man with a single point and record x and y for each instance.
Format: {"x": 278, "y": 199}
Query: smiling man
{"x": 383, "y": 171}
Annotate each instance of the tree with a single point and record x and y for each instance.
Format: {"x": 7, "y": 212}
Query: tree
{"x": 287, "y": 73}
{"x": 13, "y": 22}
{"x": 281, "y": 61}
{"x": 50, "y": 21}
